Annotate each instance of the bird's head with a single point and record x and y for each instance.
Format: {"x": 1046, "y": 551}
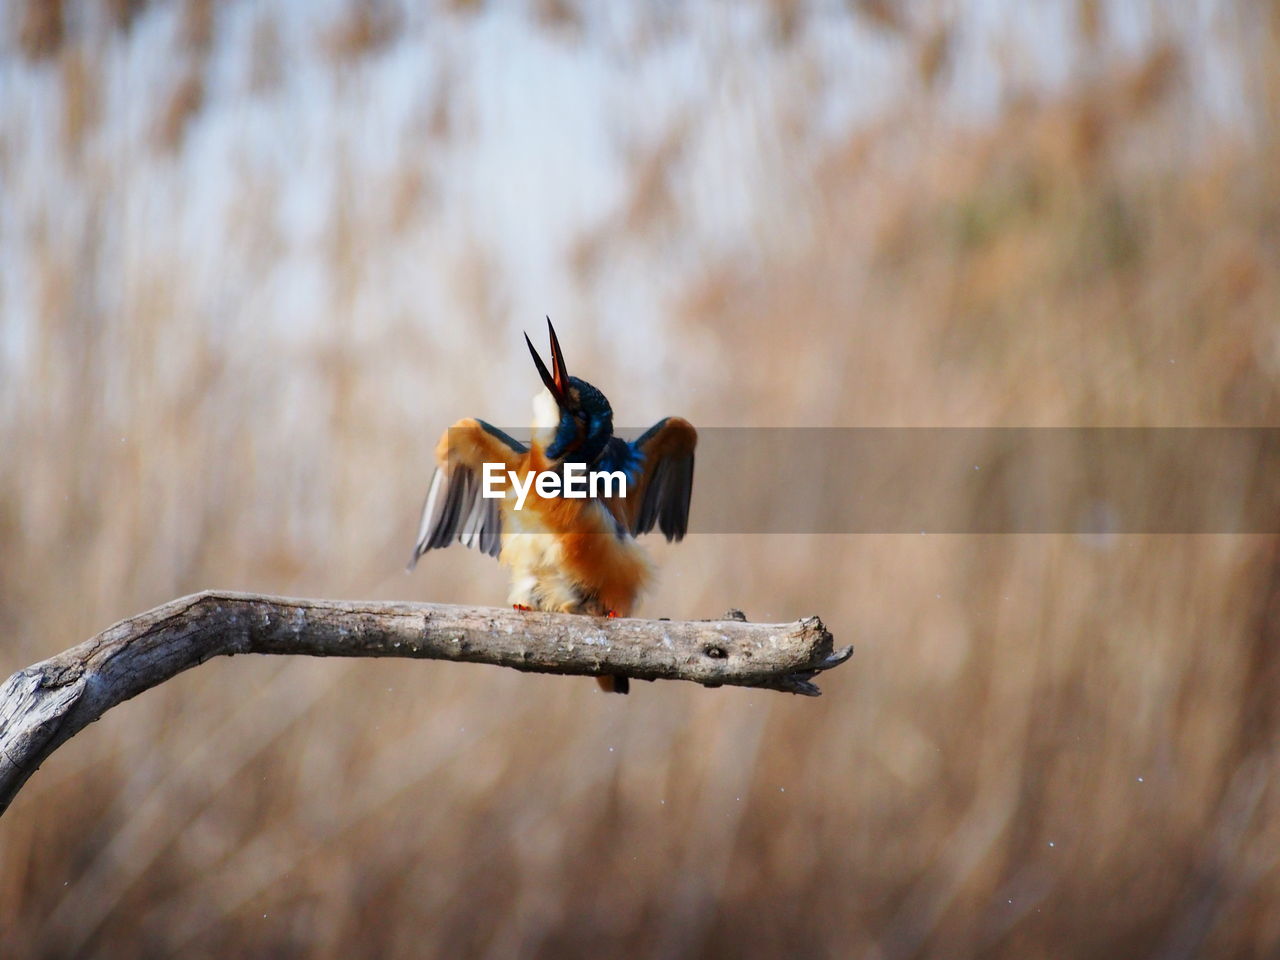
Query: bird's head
{"x": 585, "y": 417}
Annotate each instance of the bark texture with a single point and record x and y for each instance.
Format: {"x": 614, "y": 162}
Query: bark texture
{"x": 46, "y": 704}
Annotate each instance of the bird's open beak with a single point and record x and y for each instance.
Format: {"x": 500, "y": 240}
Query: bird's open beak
{"x": 557, "y": 379}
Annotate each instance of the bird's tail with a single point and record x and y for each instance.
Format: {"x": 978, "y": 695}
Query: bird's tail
{"x": 614, "y": 684}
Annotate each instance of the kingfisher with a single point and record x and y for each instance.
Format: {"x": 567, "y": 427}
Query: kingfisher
{"x": 566, "y": 554}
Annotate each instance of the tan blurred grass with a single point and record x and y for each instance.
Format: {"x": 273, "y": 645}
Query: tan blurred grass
{"x": 1042, "y": 747}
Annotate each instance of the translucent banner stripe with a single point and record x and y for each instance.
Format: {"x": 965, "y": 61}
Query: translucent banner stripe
{"x": 984, "y": 480}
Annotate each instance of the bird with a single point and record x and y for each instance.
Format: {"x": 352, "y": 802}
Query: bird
{"x": 564, "y": 554}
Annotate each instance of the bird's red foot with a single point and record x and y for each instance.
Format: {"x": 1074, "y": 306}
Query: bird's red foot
{"x": 520, "y": 606}
{"x": 612, "y": 614}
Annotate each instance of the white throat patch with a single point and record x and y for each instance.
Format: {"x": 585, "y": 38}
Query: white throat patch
{"x": 546, "y": 417}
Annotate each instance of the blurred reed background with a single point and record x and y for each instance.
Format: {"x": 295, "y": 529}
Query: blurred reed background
{"x": 255, "y": 256}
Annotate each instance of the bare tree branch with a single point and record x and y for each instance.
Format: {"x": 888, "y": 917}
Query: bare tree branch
{"x": 46, "y": 704}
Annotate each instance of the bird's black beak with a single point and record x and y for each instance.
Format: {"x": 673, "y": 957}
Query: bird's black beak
{"x": 557, "y": 379}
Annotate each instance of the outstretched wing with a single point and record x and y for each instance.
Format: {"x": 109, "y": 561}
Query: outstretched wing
{"x": 660, "y": 494}
{"x": 454, "y": 509}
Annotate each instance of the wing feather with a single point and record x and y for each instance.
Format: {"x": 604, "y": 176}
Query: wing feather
{"x": 665, "y": 485}
{"x": 454, "y": 508}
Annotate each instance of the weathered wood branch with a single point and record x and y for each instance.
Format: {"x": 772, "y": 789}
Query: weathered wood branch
{"x": 46, "y": 704}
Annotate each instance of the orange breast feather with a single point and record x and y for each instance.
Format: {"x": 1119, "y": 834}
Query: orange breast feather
{"x": 611, "y": 568}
